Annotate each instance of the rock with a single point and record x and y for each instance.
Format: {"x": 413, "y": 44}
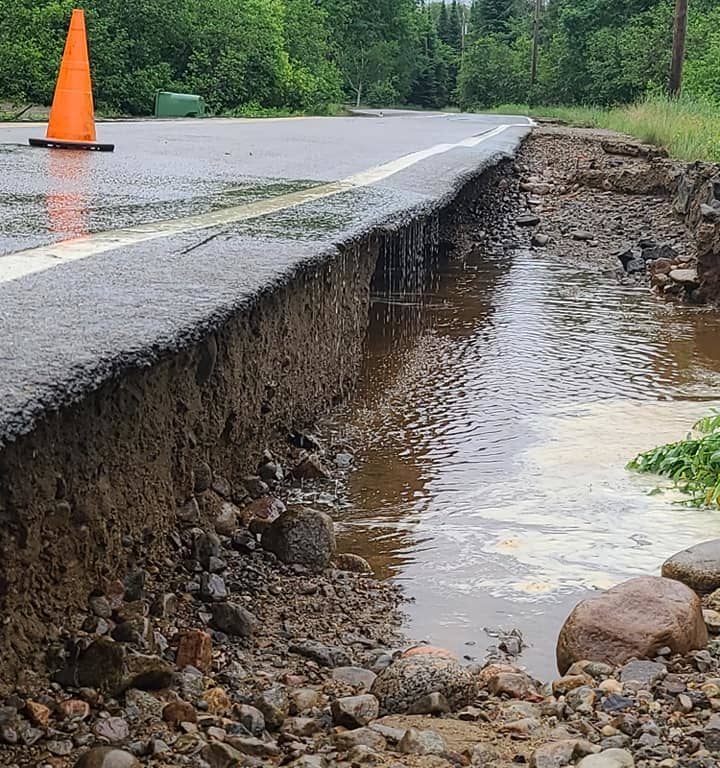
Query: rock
{"x": 352, "y": 563}
{"x": 217, "y": 701}
{"x": 233, "y": 619}
{"x": 581, "y": 234}
{"x": 428, "y": 650}
{"x": 205, "y": 546}
{"x": 609, "y": 758}
{"x": 659, "y": 252}
{"x": 212, "y": 586}
{"x": 188, "y": 513}
{"x": 177, "y": 712}
{"x": 311, "y": 468}
{"x": 73, "y": 709}
{"x": 227, "y": 520}
{"x": 194, "y": 650}
{"x": 527, "y": 220}
{"x": 38, "y": 713}
{"x": 305, "y": 699}
{"x": 633, "y": 620}
{"x": 555, "y": 754}
{"x": 635, "y": 266}
{"x": 432, "y": 704}
{"x": 360, "y": 736}
{"x": 252, "y": 719}
{"x": 685, "y": 277}
{"x": 147, "y": 705}
{"x": 661, "y": 267}
{"x": 274, "y": 705}
{"x": 107, "y": 757}
{"x": 354, "y": 711}
{"x": 516, "y": 685}
{"x": 101, "y": 665}
{"x": 148, "y": 673}
{"x": 255, "y": 486}
{"x": 100, "y": 606}
{"x": 582, "y": 700}
{"x": 221, "y": 755}
{"x": 646, "y": 673}
{"x": 302, "y": 536}
{"x": 271, "y": 472}
{"x": 698, "y": 567}
{"x": 401, "y": 685}
{"x": 539, "y": 240}
{"x": 327, "y": 656}
{"x": 712, "y": 620}
{"x": 355, "y": 677}
{"x": 416, "y": 742}
{"x": 113, "y": 729}
{"x": 565, "y": 684}
{"x": 134, "y": 584}
{"x": 249, "y": 745}
{"x": 164, "y": 606}
{"x": 302, "y": 726}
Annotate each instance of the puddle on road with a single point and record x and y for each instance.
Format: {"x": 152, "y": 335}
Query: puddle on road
{"x": 492, "y": 426}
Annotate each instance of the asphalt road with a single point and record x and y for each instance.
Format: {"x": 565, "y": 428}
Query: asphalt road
{"x": 113, "y": 259}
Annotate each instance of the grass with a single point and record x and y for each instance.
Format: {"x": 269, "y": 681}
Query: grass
{"x": 692, "y": 464}
{"x": 688, "y": 130}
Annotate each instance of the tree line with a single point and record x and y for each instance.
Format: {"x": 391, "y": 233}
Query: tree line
{"x": 309, "y": 55}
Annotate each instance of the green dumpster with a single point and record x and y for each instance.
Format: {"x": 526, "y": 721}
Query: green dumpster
{"x": 169, "y": 104}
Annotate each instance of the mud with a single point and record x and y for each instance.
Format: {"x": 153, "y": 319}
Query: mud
{"x": 95, "y": 487}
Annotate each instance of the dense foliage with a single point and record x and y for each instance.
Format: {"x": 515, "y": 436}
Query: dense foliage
{"x": 693, "y": 464}
{"x": 310, "y": 54}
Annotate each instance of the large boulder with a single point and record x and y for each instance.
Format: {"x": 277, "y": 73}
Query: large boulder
{"x": 302, "y": 536}
{"x": 632, "y": 620}
{"x": 698, "y": 566}
{"x": 407, "y": 681}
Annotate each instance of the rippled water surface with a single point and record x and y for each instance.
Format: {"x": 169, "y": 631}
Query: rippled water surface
{"x": 491, "y": 444}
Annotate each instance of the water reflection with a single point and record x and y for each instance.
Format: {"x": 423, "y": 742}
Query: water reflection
{"x": 492, "y": 442}
{"x": 67, "y": 198}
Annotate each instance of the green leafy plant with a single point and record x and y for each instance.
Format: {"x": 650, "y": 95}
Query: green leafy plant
{"x": 692, "y": 464}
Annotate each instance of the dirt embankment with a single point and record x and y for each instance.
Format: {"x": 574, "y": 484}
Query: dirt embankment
{"x": 613, "y": 202}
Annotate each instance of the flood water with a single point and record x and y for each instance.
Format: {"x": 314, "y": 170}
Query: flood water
{"x": 492, "y": 426}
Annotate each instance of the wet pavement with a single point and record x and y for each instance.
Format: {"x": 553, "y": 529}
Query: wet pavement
{"x": 492, "y": 429}
{"x": 114, "y": 260}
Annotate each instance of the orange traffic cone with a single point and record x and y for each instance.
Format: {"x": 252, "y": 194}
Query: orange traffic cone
{"x": 72, "y": 117}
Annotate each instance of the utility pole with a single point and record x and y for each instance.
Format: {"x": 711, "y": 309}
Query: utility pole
{"x": 678, "y": 59}
{"x": 536, "y": 43}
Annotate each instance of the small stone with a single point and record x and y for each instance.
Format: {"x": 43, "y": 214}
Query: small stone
{"x": 194, "y": 650}
{"x": 581, "y": 234}
{"x": 555, "y": 754}
{"x": 274, "y": 705}
{"x": 227, "y": 520}
{"x": 304, "y": 700}
{"x": 221, "y": 755}
{"x": 712, "y": 620}
{"x": 271, "y": 472}
{"x": 646, "y": 673}
{"x": 301, "y": 726}
{"x": 416, "y": 742}
{"x": 360, "y": 736}
{"x": 147, "y": 672}
{"x": 107, "y": 757}
{"x": 539, "y": 240}
{"x": 148, "y": 706}
{"x": 134, "y": 584}
{"x": 203, "y": 476}
{"x": 212, "y": 586}
{"x": 355, "y": 711}
{"x": 527, "y": 220}
{"x": 352, "y": 563}
{"x": 356, "y": 677}
{"x": 517, "y": 685}
{"x": 61, "y": 748}
{"x": 565, "y": 684}
{"x": 327, "y": 656}
{"x": 582, "y": 700}
{"x": 205, "y": 546}
{"x": 311, "y": 468}
{"x": 188, "y": 513}
{"x": 177, "y": 712}
{"x": 38, "y": 713}
{"x": 684, "y": 703}
{"x": 217, "y": 700}
{"x": 609, "y": 758}
{"x": 164, "y": 606}
{"x": 252, "y": 719}
{"x": 689, "y": 279}
{"x": 233, "y": 619}
{"x": 100, "y": 606}
{"x": 611, "y": 686}
{"x": 430, "y": 704}
{"x": 74, "y": 709}
{"x": 113, "y": 729}
{"x": 255, "y": 486}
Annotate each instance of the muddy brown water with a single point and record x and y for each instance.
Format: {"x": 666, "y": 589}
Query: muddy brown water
{"x": 492, "y": 426}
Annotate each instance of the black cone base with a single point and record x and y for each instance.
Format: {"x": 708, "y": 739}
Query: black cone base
{"x": 59, "y": 144}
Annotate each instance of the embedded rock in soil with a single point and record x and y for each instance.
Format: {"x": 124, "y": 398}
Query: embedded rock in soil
{"x": 233, "y": 619}
{"x": 406, "y": 681}
{"x": 610, "y": 758}
{"x": 354, "y": 711}
{"x": 302, "y": 536}
{"x": 107, "y": 757}
{"x": 698, "y": 566}
{"x": 633, "y": 620}
{"x": 416, "y": 742}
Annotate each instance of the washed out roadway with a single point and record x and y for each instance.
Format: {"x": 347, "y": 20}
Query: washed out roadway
{"x": 112, "y": 260}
